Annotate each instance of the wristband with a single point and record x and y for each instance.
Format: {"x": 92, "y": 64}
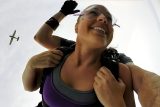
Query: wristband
{"x": 53, "y": 23}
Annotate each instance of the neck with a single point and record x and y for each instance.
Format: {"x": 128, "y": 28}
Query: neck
{"x": 86, "y": 57}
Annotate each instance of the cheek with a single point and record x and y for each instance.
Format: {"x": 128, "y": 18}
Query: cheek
{"x": 110, "y": 29}
{"x": 110, "y": 36}
{"x": 82, "y": 27}
{"x": 109, "y": 39}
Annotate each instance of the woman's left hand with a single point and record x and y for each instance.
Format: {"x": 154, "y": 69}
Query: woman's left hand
{"x": 108, "y": 90}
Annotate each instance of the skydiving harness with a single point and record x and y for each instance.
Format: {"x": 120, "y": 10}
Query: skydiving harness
{"x": 109, "y": 59}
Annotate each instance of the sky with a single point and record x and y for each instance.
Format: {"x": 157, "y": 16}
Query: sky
{"x": 138, "y": 37}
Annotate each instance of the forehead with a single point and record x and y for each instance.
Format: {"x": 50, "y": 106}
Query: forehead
{"x": 100, "y": 8}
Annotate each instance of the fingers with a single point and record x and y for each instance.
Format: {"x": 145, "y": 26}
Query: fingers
{"x": 106, "y": 73}
{"x": 68, "y": 7}
{"x": 100, "y": 76}
{"x": 46, "y": 59}
{"x": 103, "y": 75}
{"x": 75, "y": 11}
{"x": 56, "y": 54}
{"x": 56, "y": 51}
{"x": 105, "y": 70}
{"x": 53, "y": 57}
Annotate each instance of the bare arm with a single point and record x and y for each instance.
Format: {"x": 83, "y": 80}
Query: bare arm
{"x": 44, "y": 35}
{"x": 31, "y": 78}
{"x": 147, "y": 86}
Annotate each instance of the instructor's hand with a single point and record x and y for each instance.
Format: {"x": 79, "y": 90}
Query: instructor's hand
{"x": 46, "y": 59}
{"x": 108, "y": 90}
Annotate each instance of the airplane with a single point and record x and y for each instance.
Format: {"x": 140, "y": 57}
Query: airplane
{"x": 13, "y": 37}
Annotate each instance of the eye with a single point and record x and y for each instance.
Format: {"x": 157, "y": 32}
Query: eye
{"x": 109, "y": 18}
{"x": 94, "y": 13}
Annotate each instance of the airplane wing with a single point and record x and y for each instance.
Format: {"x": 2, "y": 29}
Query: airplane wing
{"x": 14, "y": 33}
{"x": 11, "y": 41}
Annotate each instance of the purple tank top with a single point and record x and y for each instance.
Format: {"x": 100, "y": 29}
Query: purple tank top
{"x": 57, "y": 94}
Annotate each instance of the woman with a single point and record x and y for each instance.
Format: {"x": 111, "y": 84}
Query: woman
{"x": 81, "y": 72}
{"x": 46, "y": 39}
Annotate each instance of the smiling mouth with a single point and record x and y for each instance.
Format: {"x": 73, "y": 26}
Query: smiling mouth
{"x": 99, "y": 29}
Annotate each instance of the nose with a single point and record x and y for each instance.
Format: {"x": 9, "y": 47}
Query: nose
{"x": 102, "y": 18}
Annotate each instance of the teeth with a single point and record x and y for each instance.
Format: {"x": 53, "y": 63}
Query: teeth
{"x": 98, "y": 28}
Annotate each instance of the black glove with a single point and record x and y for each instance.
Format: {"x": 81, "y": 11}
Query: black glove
{"x": 68, "y": 7}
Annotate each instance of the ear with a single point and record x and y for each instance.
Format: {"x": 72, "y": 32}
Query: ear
{"x": 76, "y": 28}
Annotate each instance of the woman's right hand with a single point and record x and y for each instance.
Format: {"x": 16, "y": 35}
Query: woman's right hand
{"x": 46, "y": 59}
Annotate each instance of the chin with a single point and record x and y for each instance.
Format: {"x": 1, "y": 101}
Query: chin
{"x": 98, "y": 45}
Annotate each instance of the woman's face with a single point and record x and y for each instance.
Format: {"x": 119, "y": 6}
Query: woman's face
{"x": 95, "y": 26}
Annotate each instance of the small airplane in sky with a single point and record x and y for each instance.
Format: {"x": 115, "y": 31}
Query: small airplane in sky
{"x": 13, "y": 37}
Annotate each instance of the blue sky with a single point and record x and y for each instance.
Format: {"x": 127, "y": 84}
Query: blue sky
{"x": 138, "y": 37}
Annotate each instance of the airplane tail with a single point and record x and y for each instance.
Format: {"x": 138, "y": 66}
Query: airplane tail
{"x": 17, "y": 38}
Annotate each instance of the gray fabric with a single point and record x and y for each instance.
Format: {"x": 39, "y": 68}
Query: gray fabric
{"x": 84, "y": 97}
